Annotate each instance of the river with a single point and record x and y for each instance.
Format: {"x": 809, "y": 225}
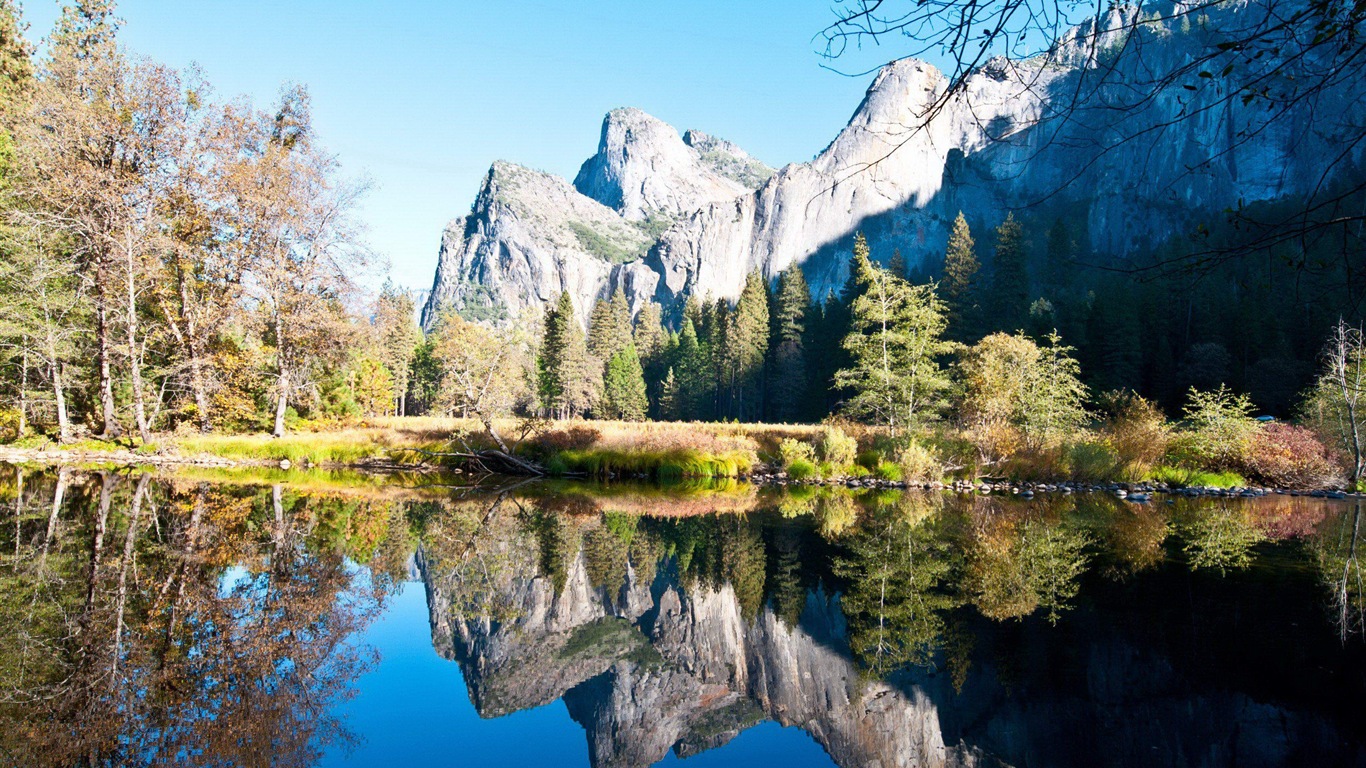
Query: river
{"x": 310, "y": 618}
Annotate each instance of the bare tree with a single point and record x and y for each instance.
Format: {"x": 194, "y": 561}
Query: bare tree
{"x": 1335, "y": 405}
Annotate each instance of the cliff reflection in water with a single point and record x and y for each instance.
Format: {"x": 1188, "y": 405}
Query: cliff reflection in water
{"x": 915, "y": 629}
{"x": 169, "y": 619}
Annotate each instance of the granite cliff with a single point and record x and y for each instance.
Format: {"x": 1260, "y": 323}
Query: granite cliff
{"x": 664, "y": 216}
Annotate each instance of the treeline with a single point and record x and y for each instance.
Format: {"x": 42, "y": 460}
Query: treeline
{"x": 172, "y": 259}
{"x": 891, "y": 351}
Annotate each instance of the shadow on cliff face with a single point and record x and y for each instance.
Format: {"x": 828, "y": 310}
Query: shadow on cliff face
{"x": 922, "y": 630}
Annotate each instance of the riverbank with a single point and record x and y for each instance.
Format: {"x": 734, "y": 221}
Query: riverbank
{"x": 763, "y": 454}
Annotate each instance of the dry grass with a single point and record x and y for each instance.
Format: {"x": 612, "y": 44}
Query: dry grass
{"x": 410, "y": 440}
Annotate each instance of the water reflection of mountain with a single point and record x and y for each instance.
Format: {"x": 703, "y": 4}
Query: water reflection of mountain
{"x": 143, "y": 617}
{"x": 655, "y": 645}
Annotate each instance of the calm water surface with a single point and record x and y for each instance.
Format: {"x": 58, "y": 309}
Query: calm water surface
{"x": 312, "y": 619}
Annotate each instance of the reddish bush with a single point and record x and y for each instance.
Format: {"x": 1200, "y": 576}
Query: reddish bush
{"x": 575, "y": 438}
{"x": 1288, "y": 456}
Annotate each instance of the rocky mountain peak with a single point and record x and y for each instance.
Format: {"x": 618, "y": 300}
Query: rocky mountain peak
{"x": 645, "y": 171}
{"x": 675, "y": 215}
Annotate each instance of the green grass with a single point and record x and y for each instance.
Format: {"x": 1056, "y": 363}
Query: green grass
{"x": 888, "y": 471}
{"x": 801, "y": 469}
{"x": 316, "y": 447}
{"x": 1190, "y": 478}
{"x": 676, "y": 464}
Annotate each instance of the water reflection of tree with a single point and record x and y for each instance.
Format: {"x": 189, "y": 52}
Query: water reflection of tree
{"x": 1022, "y": 558}
{"x": 1219, "y": 537}
{"x": 125, "y": 646}
{"x": 1337, "y": 548}
{"x": 712, "y": 551}
{"x": 897, "y": 566}
{"x": 475, "y": 551}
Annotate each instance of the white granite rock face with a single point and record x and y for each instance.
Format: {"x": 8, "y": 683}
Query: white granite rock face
{"x": 1013, "y": 137}
{"x": 531, "y": 236}
{"x": 645, "y": 170}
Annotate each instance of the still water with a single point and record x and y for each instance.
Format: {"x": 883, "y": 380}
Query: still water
{"x": 315, "y": 619}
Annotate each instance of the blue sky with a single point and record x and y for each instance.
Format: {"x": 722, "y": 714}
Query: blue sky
{"x": 421, "y": 96}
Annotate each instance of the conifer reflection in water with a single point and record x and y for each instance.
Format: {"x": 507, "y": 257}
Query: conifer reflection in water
{"x": 150, "y": 621}
{"x": 154, "y": 617}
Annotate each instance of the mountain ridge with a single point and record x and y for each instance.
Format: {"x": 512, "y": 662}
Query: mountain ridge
{"x": 910, "y": 158}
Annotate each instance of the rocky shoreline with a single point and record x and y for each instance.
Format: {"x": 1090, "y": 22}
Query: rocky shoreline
{"x": 1134, "y": 492}
{"x": 763, "y": 476}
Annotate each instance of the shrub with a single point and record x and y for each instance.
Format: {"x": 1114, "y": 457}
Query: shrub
{"x": 836, "y": 447}
{"x": 801, "y": 469}
{"x": 1289, "y": 456}
{"x": 869, "y": 459}
{"x": 575, "y": 438}
{"x": 791, "y": 451}
{"x": 9, "y": 425}
{"x": 1219, "y": 429}
{"x": 919, "y": 463}
{"x": 995, "y": 441}
{"x": 1092, "y": 461}
{"x": 1137, "y": 431}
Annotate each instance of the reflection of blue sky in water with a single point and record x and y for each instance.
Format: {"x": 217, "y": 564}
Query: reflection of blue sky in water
{"x": 234, "y": 577}
{"x": 764, "y": 744}
{"x": 414, "y": 709}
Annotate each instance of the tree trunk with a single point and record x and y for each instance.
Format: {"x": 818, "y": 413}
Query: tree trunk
{"x": 281, "y": 402}
{"x": 58, "y": 392}
{"x": 18, "y": 510}
{"x": 201, "y": 390}
{"x": 190, "y": 340}
{"x": 110, "y": 425}
{"x": 124, "y": 565}
{"x": 58, "y": 495}
{"x": 493, "y": 433}
{"x": 135, "y": 357}
{"x": 23, "y": 391}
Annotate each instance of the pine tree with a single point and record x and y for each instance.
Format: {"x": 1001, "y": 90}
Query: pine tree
{"x": 1010, "y": 278}
{"x": 825, "y": 330}
{"x": 398, "y": 337}
{"x": 694, "y": 376}
{"x": 959, "y": 285}
{"x": 623, "y": 387}
{"x": 746, "y": 348}
{"x": 668, "y": 407}
{"x": 82, "y": 62}
{"x": 860, "y": 271}
{"x": 711, "y": 344}
{"x": 82, "y": 46}
{"x": 609, "y": 327}
{"x": 16, "y": 64}
{"x": 897, "y": 264}
{"x": 787, "y": 370}
{"x": 568, "y": 377}
{"x": 895, "y": 342}
{"x": 839, "y": 316}
{"x": 1061, "y": 254}
{"x": 652, "y": 343}
{"x": 649, "y": 336}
